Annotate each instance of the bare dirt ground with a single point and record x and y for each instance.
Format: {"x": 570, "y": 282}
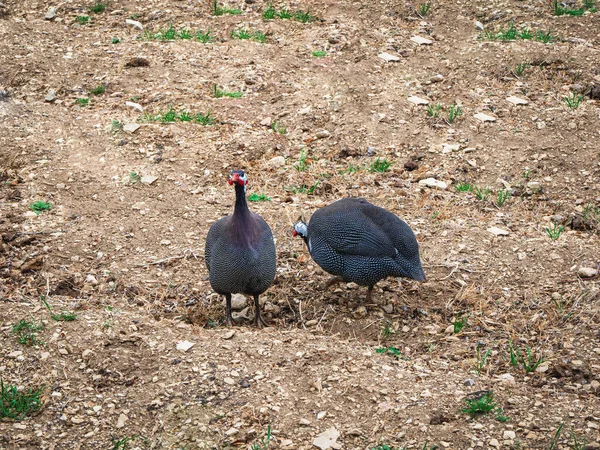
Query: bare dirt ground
{"x": 127, "y": 256}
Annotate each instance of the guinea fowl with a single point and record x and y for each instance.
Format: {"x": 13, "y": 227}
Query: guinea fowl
{"x": 240, "y": 252}
{"x": 360, "y": 242}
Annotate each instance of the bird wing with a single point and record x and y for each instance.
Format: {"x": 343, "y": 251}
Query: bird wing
{"x": 214, "y": 233}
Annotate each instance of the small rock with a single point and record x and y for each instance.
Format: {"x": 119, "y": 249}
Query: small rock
{"x": 266, "y": 122}
{"x": 469, "y": 382}
{"x": 484, "y": 117}
{"x": 498, "y": 231}
{"x": 494, "y": 443}
{"x": 277, "y": 161}
{"x": 509, "y": 434}
{"x": 135, "y": 106}
{"x": 507, "y": 378}
{"x": 91, "y": 279}
{"x": 586, "y": 272}
{"x": 516, "y": 100}
{"x": 87, "y": 353}
{"x": 321, "y": 415}
{"x": 184, "y": 346}
{"x": 238, "y": 302}
{"x": 479, "y": 25}
{"x": 388, "y": 57}
{"x": 50, "y": 96}
{"x": 534, "y": 187}
{"x": 411, "y": 165}
{"x": 229, "y": 381}
{"x": 322, "y": 134}
{"x": 131, "y": 127}
{"x": 327, "y": 438}
{"x": 304, "y": 422}
{"x": 437, "y": 78}
{"x": 134, "y": 23}
{"x": 231, "y": 431}
{"x": 417, "y": 100}
{"x": 228, "y": 335}
{"x": 148, "y": 179}
{"x": 421, "y": 40}
{"x": 15, "y": 354}
{"x": 51, "y": 14}
{"x": 433, "y": 183}
{"x": 121, "y": 421}
{"x": 360, "y": 313}
{"x": 137, "y": 62}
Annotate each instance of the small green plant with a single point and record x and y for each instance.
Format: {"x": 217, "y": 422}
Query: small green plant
{"x": 40, "y": 206}
{"x": 591, "y": 212}
{"x": 392, "y": 351}
{"x": 434, "y": 110}
{"x": 304, "y": 16}
{"x": 270, "y": 13}
{"x": 220, "y": 10}
{"x": 259, "y": 197}
{"x": 500, "y": 417}
{"x": 171, "y": 116}
{"x": 556, "y": 436}
{"x": 502, "y": 197}
{"x": 98, "y": 8}
{"x": 98, "y": 90}
{"x": 115, "y": 40}
{"x": 123, "y": 443}
{"x": 574, "y": 100}
{"x": 427, "y": 447}
{"x": 385, "y": 447}
{"x": 464, "y": 187}
{"x": 577, "y": 444}
{"x": 514, "y": 354}
{"x": 459, "y": 323}
{"x": 26, "y": 331}
{"x": 555, "y": 231}
{"x": 560, "y": 9}
{"x": 64, "y": 316}
{"x": 387, "y": 331}
{"x": 168, "y": 34}
{"x": 116, "y": 125}
{"x": 303, "y": 189}
{"x": 204, "y": 37}
{"x": 423, "y": 9}
{"x": 319, "y": 53}
{"x": 380, "y": 165}
{"x": 264, "y": 443}
{"x": 482, "y": 194}
{"x": 352, "y": 169}
{"x": 512, "y": 33}
{"x": 529, "y": 362}
{"x": 15, "y": 404}
{"x": 520, "y": 69}
{"x": 277, "y": 128}
{"x": 245, "y": 34}
{"x": 481, "y": 359}
{"x": 480, "y": 405}
{"x": 82, "y": 20}
{"x": 302, "y": 165}
{"x": 134, "y": 177}
{"x": 454, "y": 112}
{"x": 82, "y": 101}
{"x": 220, "y": 93}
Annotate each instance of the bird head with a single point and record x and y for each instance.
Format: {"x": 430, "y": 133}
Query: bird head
{"x": 300, "y": 229}
{"x": 238, "y": 177}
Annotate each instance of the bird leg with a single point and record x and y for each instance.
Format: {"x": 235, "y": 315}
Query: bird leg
{"x": 369, "y": 292}
{"x": 228, "y": 319}
{"x": 332, "y": 281}
{"x": 259, "y": 322}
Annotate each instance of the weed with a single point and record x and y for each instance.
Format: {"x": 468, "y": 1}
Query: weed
{"x": 259, "y": 198}
{"x": 303, "y": 189}
{"x": 205, "y": 38}
{"x": 352, "y": 169}
{"x": 555, "y": 231}
{"x": 171, "y": 115}
{"x": 387, "y": 331}
{"x": 264, "y": 443}
{"x": 591, "y": 212}
{"x": 454, "y": 112}
{"x": 464, "y": 187}
{"x": 481, "y": 360}
{"x": 82, "y": 101}
{"x": 500, "y": 417}
{"x": 245, "y": 34}
{"x": 427, "y": 447}
{"x": 168, "y": 34}
{"x": 122, "y": 444}
{"x": 302, "y": 165}
{"x": 514, "y": 354}
{"x": 380, "y": 165}
{"x": 115, "y": 40}
{"x": 502, "y": 196}
{"x": 529, "y": 363}
{"x": 512, "y": 33}
{"x": 270, "y": 13}
{"x": 116, "y": 125}
{"x": 319, "y": 53}
{"x": 304, "y": 16}
{"x": 204, "y": 119}
{"x": 459, "y": 323}
{"x": 26, "y": 331}
{"x": 278, "y": 128}
{"x": 527, "y": 174}
{"x": 423, "y": 9}
{"x": 482, "y": 194}
{"x": 480, "y": 405}
{"x": 434, "y": 110}
{"x": 520, "y": 69}
{"x": 576, "y": 445}
{"x": 134, "y": 177}
{"x": 560, "y": 9}
{"x": 40, "y": 206}
{"x": 220, "y": 10}
{"x": 15, "y": 404}
{"x": 220, "y": 93}
{"x": 82, "y": 20}
{"x": 98, "y": 8}
{"x": 64, "y": 316}
{"x": 98, "y": 90}
{"x": 392, "y": 351}
{"x": 556, "y": 436}
{"x": 574, "y": 100}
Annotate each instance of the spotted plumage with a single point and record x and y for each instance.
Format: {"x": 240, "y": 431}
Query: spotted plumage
{"x": 360, "y": 242}
{"x": 240, "y": 252}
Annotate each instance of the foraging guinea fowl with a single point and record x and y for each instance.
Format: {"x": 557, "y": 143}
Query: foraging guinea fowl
{"x": 240, "y": 252}
{"x": 360, "y": 242}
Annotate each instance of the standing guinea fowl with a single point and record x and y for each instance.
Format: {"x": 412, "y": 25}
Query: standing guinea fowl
{"x": 360, "y": 242}
{"x": 240, "y": 252}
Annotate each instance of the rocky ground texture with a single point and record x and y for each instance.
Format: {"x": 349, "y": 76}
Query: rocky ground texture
{"x": 511, "y": 260}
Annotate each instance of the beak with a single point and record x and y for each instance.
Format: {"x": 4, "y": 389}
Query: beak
{"x": 235, "y": 178}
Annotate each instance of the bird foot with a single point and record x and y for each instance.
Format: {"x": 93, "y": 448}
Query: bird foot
{"x": 229, "y": 322}
{"x": 332, "y": 281}
{"x": 259, "y": 322}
